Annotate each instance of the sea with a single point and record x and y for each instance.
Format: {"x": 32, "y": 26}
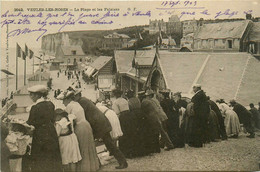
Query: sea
{"x": 8, "y": 82}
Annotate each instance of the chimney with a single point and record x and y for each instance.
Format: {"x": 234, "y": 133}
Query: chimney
{"x": 249, "y": 16}
{"x": 201, "y": 21}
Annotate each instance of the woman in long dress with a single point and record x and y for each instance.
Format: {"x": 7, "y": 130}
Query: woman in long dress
{"x": 83, "y": 132}
{"x": 45, "y": 150}
{"x": 231, "y": 120}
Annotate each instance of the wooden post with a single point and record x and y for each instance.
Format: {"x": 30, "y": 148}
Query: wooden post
{"x": 25, "y": 71}
{"x": 16, "y": 75}
{"x": 33, "y": 64}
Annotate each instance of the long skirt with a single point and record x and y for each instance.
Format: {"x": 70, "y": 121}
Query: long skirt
{"x": 214, "y": 129}
{"x": 87, "y": 147}
{"x": 232, "y": 123}
{"x": 45, "y": 152}
{"x": 127, "y": 142}
{"x": 150, "y": 135}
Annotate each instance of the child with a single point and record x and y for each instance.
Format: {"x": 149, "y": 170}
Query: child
{"x": 69, "y": 146}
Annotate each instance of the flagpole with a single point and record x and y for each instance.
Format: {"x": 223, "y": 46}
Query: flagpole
{"x": 33, "y": 64}
{"x": 25, "y": 71}
{"x": 16, "y": 76}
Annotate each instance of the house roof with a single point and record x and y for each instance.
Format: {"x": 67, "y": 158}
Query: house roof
{"x": 100, "y": 62}
{"x": 67, "y": 50}
{"x": 117, "y": 35}
{"x": 255, "y": 32}
{"x": 132, "y": 73}
{"x": 124, "y": 59}
{"x": 222, "y": 30}
{"x": 225, "y": 75}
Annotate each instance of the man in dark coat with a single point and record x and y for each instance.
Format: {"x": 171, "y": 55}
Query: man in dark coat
{"x": 256, "y": 116}
{"x": 201, "y": 112}
{"x": 101, "y": 127}
{"x": 244, "y": 116}
{"x": 222, "y": 128}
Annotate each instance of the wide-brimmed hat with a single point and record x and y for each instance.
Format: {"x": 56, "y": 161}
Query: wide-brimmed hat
{"x": 149, "y": 92}
{"x": 38, "y": 89}
{"x": 233, "y": 101}
{"x": 65, "y": 94}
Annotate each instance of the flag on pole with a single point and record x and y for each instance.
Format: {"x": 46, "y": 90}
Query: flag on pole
{"x": 31, "y": 54}
{"x": 18, "y": 50}
{"x": 160, "y": 38}
{"x": 24, "y": 55}
{"x": 26, "y": 50}
{"x": 38, "y": 57}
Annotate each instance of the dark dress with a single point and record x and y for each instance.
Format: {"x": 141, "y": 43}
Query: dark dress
{"x": 255, "y": 117}
{"x": 5, "y": 153}
{"x": 45, "y": 145}
{"x": 148, "y": 110}
{"x": 213, "y": 127}
{"x": 173, "y": 129}
{"x": 222, "y": 129}
{"x": 137, "y": 120}
{"x": 200, "y": 121}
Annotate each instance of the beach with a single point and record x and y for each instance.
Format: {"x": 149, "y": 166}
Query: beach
{"x": 8, "y": 82}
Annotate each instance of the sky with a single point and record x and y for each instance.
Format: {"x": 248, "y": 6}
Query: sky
{"x": 149, "y": 10}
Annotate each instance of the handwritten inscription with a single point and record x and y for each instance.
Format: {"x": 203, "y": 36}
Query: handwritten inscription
{"x": 18, "y": 32}
{"x": 37, "y": 21}
{"x": 192, "y": 8}
{"x": 41, "y": 20}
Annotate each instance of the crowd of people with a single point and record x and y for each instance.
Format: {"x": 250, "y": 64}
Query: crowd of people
{"x": 64, "y": 139}
{"x": 165, "y": 120}
{"x": 70, "y": 74}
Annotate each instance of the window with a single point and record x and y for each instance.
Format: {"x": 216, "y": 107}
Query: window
{"x": 73, "y": 52}
{"x": 229, "y": 43}
{"x": 80, "y": 59}
{"x": 68, "y": 60}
